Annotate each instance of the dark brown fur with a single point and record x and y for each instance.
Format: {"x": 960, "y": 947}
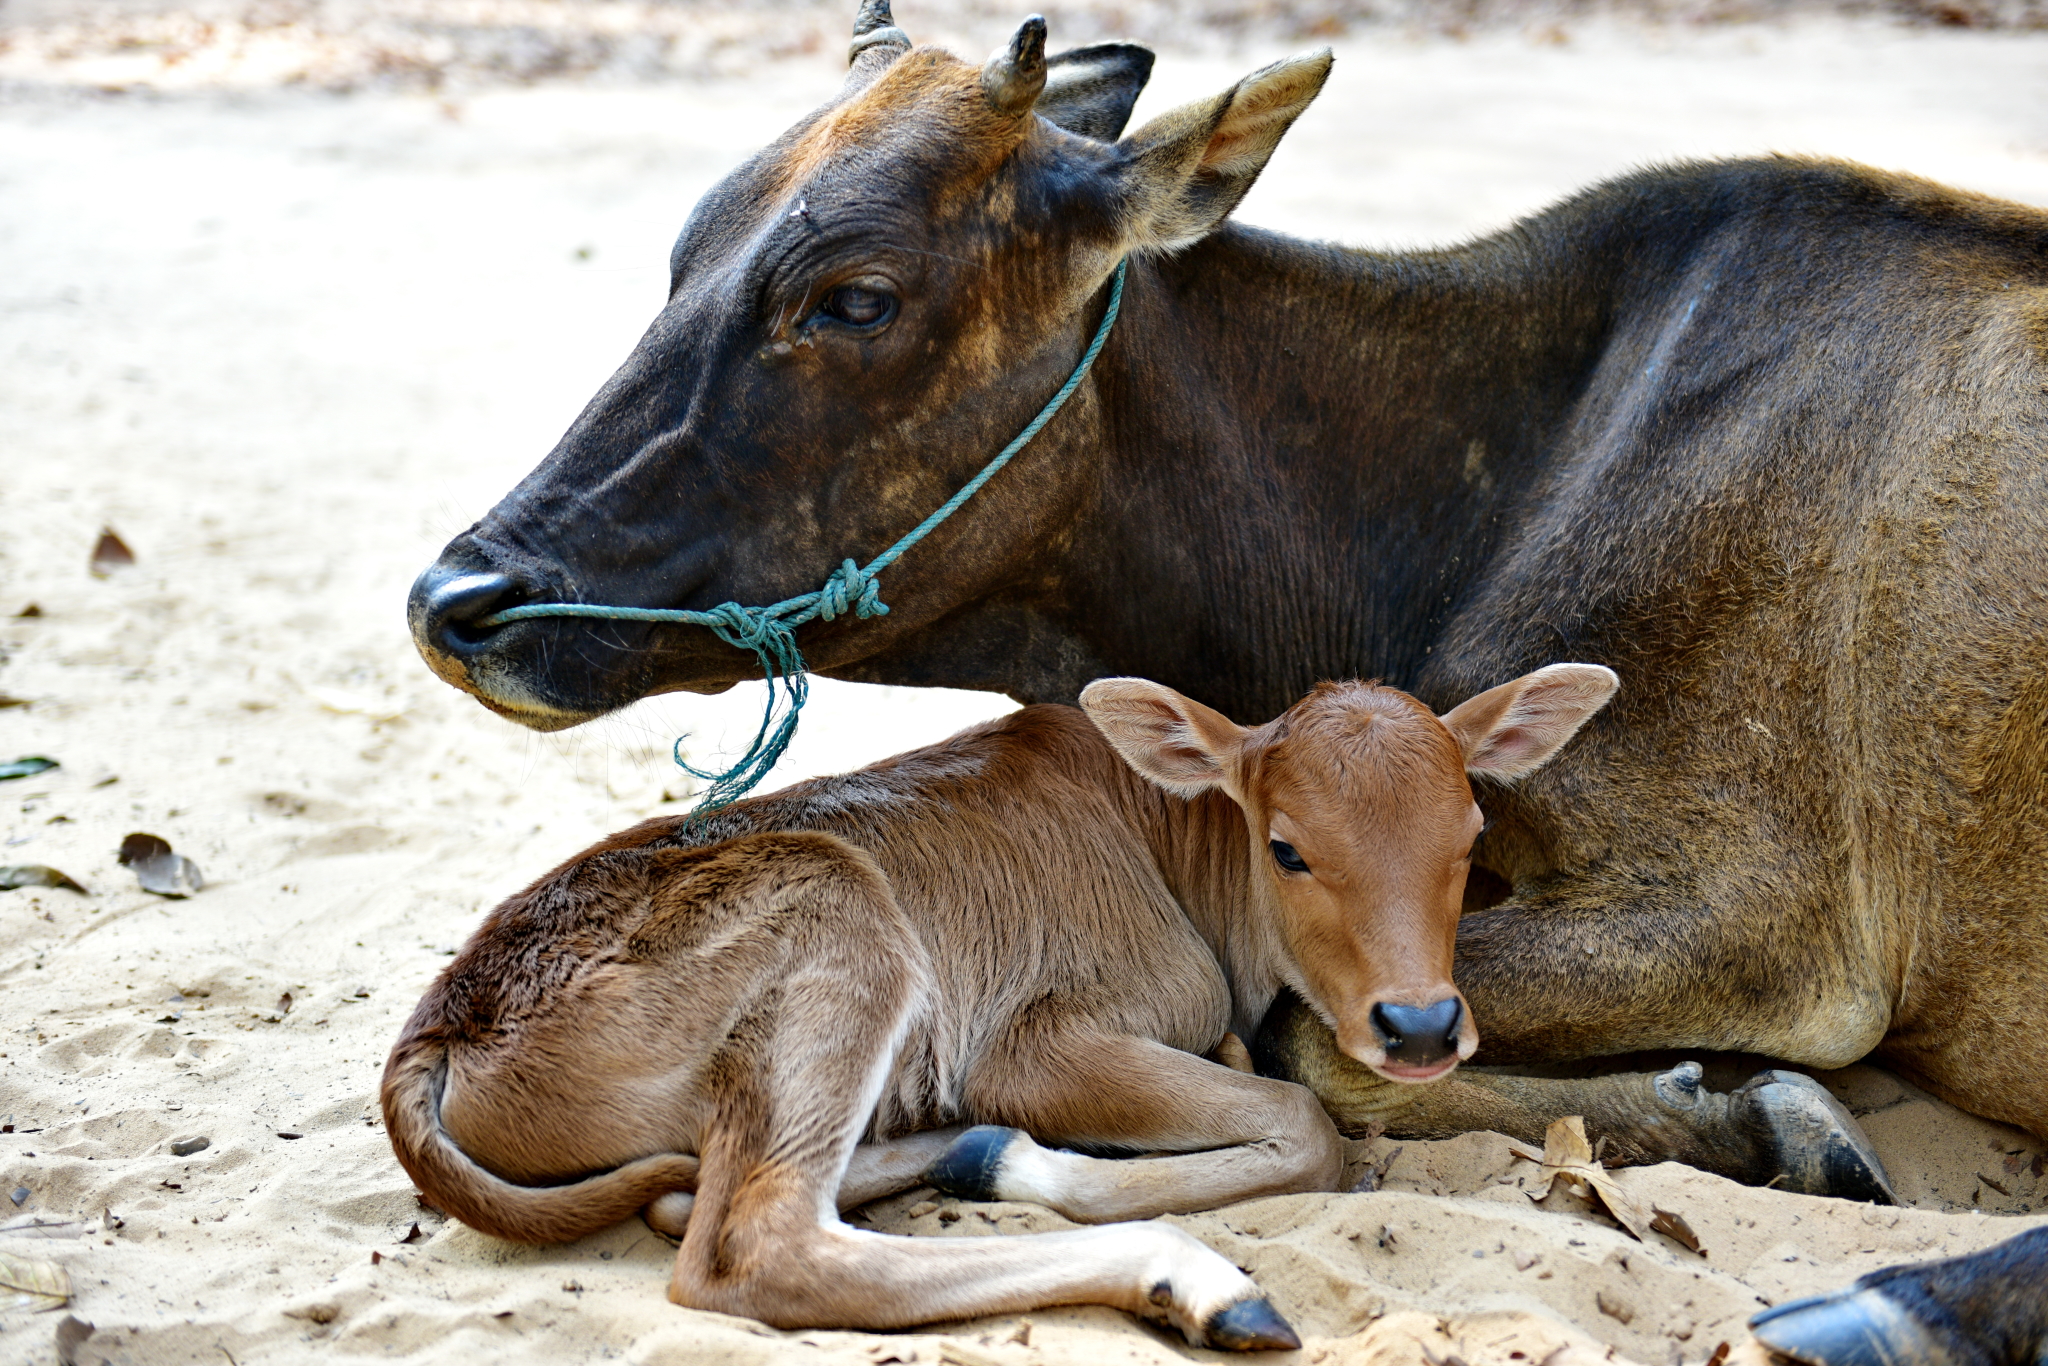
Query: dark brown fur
{"x": 1770, "y": 438}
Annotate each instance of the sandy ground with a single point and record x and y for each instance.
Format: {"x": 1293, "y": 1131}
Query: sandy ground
{"x": 288, "y": 343}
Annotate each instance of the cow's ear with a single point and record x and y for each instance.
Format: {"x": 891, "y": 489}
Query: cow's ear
{"x": 1513, "y": 730}
{"x": 1090, "y": 90}
{"x": 1186, "y": 170}
{"x": 1175, "y": 741}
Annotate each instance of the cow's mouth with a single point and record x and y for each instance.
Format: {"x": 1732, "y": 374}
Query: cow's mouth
{"x": 532, "y": 717}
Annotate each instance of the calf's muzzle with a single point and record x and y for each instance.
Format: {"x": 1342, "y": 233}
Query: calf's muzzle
{"x": 1419, "y": 1036}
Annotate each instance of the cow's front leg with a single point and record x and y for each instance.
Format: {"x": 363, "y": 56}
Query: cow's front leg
{"x": 1230, "y": 1136}
{"x": 1614, "y": 960}
{"x": 1987, "y": 1309}
{"x": 1780, "y": 1127}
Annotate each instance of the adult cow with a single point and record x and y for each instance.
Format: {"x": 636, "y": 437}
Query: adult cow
{"x": 1769, "y": 438}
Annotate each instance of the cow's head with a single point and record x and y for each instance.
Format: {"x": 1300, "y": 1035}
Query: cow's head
{"x": 1361, "y": 819}
{"x": 857, "y": 319}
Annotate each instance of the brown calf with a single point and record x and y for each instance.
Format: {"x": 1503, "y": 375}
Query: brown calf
{"x": 793, "y": 1010}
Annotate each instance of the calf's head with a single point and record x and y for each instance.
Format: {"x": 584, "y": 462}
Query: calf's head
{"x": 1359, "y": 808}
{"x": 857, "y": 319}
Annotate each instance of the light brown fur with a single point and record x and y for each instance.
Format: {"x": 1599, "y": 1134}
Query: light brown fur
{"x": 1009, "y": 928}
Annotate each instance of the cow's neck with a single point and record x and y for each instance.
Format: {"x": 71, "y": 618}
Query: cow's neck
{"x": 1302, "y": 459}
{"x": 1311, "y": 454}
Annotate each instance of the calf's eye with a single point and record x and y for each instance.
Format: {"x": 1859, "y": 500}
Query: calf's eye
{"x": 857, "y": 306}
{"x": 1284, "y": 855}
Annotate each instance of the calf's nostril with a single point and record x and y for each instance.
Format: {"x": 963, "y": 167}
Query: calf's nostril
{"x": 1419, "y": 1035}
{"x": 1390, "y": 1033}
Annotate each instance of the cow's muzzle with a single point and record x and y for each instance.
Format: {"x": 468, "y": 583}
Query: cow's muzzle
{"x": 447, "y": 604}
{"x": 447, "y": 609}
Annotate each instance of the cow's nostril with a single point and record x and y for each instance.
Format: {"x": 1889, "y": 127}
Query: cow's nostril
{"x": 1419, "y": 1035}
{"x": 450, "y": 604}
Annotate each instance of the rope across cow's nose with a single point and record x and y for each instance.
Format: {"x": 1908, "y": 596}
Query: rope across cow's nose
{"x": 770, "y": 632}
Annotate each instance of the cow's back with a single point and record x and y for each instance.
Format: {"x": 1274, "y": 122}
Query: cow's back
{"x": 1799, "y": 508}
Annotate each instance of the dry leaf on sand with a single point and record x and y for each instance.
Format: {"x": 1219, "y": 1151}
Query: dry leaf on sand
{"x": 30, "y": 1283}
{"x": 1672, "y": 1225}
{"x": 110, "y": 553}
{"x": 71, "y": 1335}
{"x": 1375, "y": 1173}
{"x": 37, "y": 875}
{"x": 1566, "y": 1153}
{"x": 157, "y": 868}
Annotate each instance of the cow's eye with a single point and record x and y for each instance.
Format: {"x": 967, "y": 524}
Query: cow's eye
{"x": 857, "y": 306}
{"x": 1287, "y": 858}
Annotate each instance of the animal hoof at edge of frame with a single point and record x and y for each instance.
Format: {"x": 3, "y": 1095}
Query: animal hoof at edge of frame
{"x": 1250, "y": 1326}
{"x": 968, "y": 1169}
{"x": 1985, "y": 1308}
{"x": 1813, "y": 1139}
{"x": 1849, "y": 1328}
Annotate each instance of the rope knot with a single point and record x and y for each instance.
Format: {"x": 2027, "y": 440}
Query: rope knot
{"x": 745, "y": 628}
{"x": 854, "y": 588}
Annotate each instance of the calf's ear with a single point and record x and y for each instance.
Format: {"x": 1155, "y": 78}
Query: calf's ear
{"x": 1175, "y": 741}
{"x": 1186, "y": 170}
{"x": 1090, "y": 90}
{"x": 1513, "y": 730}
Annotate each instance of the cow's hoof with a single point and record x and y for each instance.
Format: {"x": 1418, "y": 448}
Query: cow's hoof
{"x": 969, "y": 1168}
{"x": 1813, "y": 1141}
{"x": 1250, "y": 1326}
{"x": 1849, "y": 1328}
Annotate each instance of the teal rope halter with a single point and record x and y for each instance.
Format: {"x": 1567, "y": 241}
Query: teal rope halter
{"x": 770, "y": 632}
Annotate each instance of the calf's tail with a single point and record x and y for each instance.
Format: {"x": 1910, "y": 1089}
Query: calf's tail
{"x": 454, "y": 1183}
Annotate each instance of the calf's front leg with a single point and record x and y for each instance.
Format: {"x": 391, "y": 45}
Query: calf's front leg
{"x": 1230, "y": 1136}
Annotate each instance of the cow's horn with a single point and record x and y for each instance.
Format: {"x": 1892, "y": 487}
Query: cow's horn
{"x": 874, "y": 26}
{"x": 1015, "y": 76}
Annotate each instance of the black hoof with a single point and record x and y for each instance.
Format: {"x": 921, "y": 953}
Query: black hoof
{"x": 1250, "y": 1326}
{"x": 1820, "y": 1149}
{"x": 967, "y": 1170}
{"x": 1848, "y": 1328}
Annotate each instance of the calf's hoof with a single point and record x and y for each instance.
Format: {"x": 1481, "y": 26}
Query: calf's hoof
{"x": 1849, "y": 1328}
{"x": 968, "y": 1170}
{"x": 1809, "y": 1138}
{"x": 1249, "y": 1326}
